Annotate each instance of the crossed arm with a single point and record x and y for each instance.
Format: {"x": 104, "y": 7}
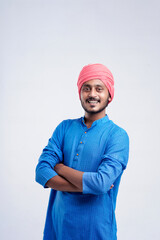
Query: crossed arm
{"x": 50, "y": 173}
{"x": 68, "y": 179}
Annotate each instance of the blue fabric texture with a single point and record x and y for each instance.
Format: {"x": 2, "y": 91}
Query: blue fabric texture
{"x": 103, "y": 151}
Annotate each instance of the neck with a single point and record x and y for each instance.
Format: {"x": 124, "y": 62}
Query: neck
{"x": 90, "y": 117}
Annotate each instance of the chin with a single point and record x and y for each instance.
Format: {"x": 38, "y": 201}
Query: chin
{"x": 94, "y": 111}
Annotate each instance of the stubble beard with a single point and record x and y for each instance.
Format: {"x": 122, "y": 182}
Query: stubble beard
{"x": 98, "y": 111}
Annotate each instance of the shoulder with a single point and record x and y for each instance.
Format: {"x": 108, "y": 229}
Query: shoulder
{"x": 62, "y": 128}
{"x": 118, "y": 132}
{"x": 67, "y": 123}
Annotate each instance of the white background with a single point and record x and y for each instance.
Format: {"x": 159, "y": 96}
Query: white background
{"x": 43, "y": 47}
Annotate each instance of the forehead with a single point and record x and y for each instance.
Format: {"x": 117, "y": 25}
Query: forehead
{"x": 94, "y": 82}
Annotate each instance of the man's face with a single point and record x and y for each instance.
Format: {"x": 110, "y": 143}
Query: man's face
{"x": 94, "y": 96}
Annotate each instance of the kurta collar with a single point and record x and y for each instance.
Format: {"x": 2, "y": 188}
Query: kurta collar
{"x": 97, "y": 122}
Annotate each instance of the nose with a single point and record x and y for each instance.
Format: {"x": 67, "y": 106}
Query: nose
{"x": 93, "y": 93}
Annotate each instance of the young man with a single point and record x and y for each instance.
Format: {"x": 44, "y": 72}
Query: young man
{"x": 83, "y": 164}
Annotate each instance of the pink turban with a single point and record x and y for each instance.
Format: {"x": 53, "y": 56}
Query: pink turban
{"x": 96, "y": 71}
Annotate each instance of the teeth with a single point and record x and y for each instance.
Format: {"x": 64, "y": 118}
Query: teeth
{"x": 92, "y": 101}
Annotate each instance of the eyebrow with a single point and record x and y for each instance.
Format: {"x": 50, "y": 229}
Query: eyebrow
{"x": 88, "y": 85}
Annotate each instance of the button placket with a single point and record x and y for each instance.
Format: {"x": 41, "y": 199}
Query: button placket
{"x": 80, "y": 146}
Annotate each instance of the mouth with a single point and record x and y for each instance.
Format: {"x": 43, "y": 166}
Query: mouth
{"x": 93, "y": 102}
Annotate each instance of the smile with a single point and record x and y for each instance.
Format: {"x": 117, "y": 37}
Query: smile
{"x": 93, "y": 102}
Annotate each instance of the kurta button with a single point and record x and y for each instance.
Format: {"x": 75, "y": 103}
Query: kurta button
{"x": 80, "y": 142}
{"x": 77, "y": 154}
{"x": 85, "y": 132}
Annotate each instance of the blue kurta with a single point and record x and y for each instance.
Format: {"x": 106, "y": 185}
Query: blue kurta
{"x": 101, "y": 152}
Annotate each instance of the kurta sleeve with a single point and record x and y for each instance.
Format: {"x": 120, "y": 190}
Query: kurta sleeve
{"x": 51, "y": 155}
{"x": 113, "y": 163}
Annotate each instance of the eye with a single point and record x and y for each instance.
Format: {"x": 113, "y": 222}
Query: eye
{"x": 99, "y": 89}
{"x": 86, "y": 89}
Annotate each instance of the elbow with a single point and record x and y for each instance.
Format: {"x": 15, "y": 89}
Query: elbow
{"x": 37, "y": 175}
{"x": 43, "y": 174}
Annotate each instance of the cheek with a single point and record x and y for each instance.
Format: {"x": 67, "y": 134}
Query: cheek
{"x": 83, "y": 96}
{"x": 105, "y": 96}
{"x": 104, "y": 99}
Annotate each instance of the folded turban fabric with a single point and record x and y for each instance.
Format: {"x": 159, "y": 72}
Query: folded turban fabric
{"x": 96, "y": 71}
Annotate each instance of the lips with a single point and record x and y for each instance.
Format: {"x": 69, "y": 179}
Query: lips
{"x": 93, "y": 101}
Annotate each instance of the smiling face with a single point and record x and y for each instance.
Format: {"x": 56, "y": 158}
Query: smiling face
{"x": 94, "y": 96}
